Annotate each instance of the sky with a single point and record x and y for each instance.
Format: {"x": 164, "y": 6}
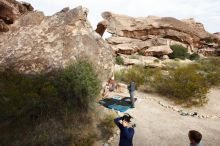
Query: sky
{"x": 205, "y": 11}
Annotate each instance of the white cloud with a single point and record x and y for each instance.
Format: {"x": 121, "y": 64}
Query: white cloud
{"x": 205, "y": 11}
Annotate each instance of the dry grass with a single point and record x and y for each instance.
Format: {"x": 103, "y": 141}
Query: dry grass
{"x": 107, "y": 126}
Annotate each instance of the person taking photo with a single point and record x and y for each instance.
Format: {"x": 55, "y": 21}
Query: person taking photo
{"x": 126, "y": 130}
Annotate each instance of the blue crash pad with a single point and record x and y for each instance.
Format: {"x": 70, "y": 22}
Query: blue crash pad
{"x": 117, "y": 103}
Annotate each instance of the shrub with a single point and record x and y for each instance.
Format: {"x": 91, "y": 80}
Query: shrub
{"x": 31, "y": 100}
{"x": 133, "y": 56}
{"x": 179, "y": 52}
{"x": 137, "y": 73}
{"x": 79, "y": 85}
{"x": 133, "y": 74}
{"x": 184, "y": 84}
{"x": 194, "y": 56}
{"x": 172, "y": 65}
{"x": 213, "y": 78}
{"x": 211, "y": 70}
{"x": 141, "y": 52}
{"x": 107, "y": 126}
{"x": 119, "y": 60}
{"x": 156, "y": 61}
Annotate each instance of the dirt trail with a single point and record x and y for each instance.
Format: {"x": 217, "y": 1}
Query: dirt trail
{"x": 160, "y": 126}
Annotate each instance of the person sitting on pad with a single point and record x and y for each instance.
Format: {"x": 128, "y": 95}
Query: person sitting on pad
{"x": 112, "y": 84}
{"x": 109, "y": 87}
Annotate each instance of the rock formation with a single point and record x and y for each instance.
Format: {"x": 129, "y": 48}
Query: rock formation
{"x": 131, "y": 35}
{"x": 101, "y": 27}
{"x": 217, "y": 37}
{"x": 10, "y": 10}
{"x": 36, "y": 43}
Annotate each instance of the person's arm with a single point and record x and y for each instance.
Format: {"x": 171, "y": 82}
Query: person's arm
{"x": 117, "y": 122}
{"x": 129, "y": 87}
{"x": 128, "y": 133}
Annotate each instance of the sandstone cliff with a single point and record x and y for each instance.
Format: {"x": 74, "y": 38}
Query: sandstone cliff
{"x": 130, "y": 35}
{"x": 36, "y": 43}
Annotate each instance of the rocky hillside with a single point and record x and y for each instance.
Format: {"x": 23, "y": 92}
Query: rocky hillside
{"x": 36, "y": 43}
{"x": 153, "y": 35}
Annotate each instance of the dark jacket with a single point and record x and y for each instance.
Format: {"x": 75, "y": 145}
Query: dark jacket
{"x": 126, "y": 134}
{"x": 131, "y": 87}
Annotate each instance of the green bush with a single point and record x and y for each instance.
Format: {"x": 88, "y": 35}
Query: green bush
{"x": 194, "y": 56}
{"x": 141, "y": 52}
{"x": 184, "y": 84}
{"x": 211, "y": 69}
{"x": 179, "y": 52}
{"x": 156, "y": 61}
{"x": 28, "y": 100}
{"x": 133, "y": 74}
{"x": 79, "y": 85}
{"x": 137, "y": 73}
{"x": 119, "y": 60}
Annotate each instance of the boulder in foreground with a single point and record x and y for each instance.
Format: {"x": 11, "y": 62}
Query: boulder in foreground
{"x": 36, "y": 43}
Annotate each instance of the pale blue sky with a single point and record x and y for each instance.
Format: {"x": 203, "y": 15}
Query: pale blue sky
{"x": 205, "y": 11}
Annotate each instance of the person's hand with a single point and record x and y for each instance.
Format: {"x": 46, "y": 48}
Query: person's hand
{"x": 125, "y": 124}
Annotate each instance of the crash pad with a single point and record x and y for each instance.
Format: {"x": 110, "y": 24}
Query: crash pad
{"x": 117, "y": 103}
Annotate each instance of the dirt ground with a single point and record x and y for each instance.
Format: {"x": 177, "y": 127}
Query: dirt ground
{"x": 160, "y": 126}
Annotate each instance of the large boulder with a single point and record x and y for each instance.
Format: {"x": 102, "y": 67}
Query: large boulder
{"x": 197, "y": 26}
{"x": 10, "y": 10}
{"x": 217, "y": 34}
{"x": 39, "y": 44}
{"x": 208, "y": 52}
{"x": 158, "y": 51}
{"x": 141, "y": 33}
{"x": 101, "y": 27}
{"x": 139, "y": 28}
{"x": 216, "y": 37}
{"x": 138, "y": 60}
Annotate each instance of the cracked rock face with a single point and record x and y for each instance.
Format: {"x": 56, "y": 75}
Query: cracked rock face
{"x": 38, "y": 44}
{"x": 130, "y": 35}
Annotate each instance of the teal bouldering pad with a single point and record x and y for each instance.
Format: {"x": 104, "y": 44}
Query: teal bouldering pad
{"x": 117, "y": 103}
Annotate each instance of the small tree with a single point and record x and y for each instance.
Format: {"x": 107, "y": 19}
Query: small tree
{"x": 141, "y": 52}
{"x": 194, "y": 56}
{"x": 119, "y": 60}
{"x": 179, "y": 52}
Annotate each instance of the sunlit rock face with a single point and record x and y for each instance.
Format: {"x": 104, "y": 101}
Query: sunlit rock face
{"x": 130, "y": 35}
{"x": 36, "y": 43}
